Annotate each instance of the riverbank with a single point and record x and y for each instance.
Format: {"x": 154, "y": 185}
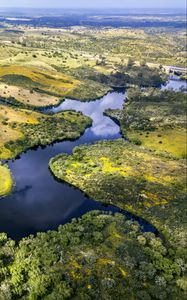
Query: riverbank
{"x": 132, "y": 182}
{"x": 35, "y": 187}
{"x": 154, "y": 119}
{"x": 23, "y": 129}
{"x": 130, "y": 177}
{"x": 74, "y": 203}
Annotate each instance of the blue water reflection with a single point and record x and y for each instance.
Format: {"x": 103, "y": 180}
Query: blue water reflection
{"x": 39, "y": 202}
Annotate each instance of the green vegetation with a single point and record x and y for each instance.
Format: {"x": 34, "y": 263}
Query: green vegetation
{"x": 116, "y": 172}
{"x": 35, "y": 87}
{"x": 89, "y": 90}
{"x": 123, "y": 76}
{"x": 82, "y": 63}
{"x": 5, "y": 180}
{"x": 155, "y": 119}
{"x": 22, "y": 129}
{"x": 184, "y": 77}
{"x": 100, "y": 256}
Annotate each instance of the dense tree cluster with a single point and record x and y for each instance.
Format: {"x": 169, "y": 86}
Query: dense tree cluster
{"x": 148, "y": 109}
{"x": 100, "y": 256}
{"x": 124, "y": 76}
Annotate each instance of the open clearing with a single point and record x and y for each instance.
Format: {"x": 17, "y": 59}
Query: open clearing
{"x": 26, "y": 96}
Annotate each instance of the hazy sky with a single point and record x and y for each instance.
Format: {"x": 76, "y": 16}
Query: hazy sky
{"x": 94, "y": 3}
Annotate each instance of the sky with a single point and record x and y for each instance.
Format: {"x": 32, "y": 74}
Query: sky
{"x": 94, "y": 3}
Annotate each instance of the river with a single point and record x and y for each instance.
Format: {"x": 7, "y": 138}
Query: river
{"x": 41, "y": 203}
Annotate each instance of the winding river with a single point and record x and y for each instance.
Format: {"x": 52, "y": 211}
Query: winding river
{"x": 38, "y": 201}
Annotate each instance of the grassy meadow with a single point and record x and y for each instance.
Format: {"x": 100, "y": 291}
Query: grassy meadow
{"x": 6, "y": 181}
{"x": 154, "y": 119}
{"x": 26, "y": 97}
{"x": 36, "y": 63}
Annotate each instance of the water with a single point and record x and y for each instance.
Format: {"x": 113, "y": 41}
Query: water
{"x": 175, "y": 83}
{"x": 39, "y": 202}
{"x": 102, "y": 126}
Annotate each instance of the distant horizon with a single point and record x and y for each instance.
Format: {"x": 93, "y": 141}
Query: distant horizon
{"x": 94, "y": 4}
{"x": 96, "y": 7}
{"x": 92, "y": 8}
